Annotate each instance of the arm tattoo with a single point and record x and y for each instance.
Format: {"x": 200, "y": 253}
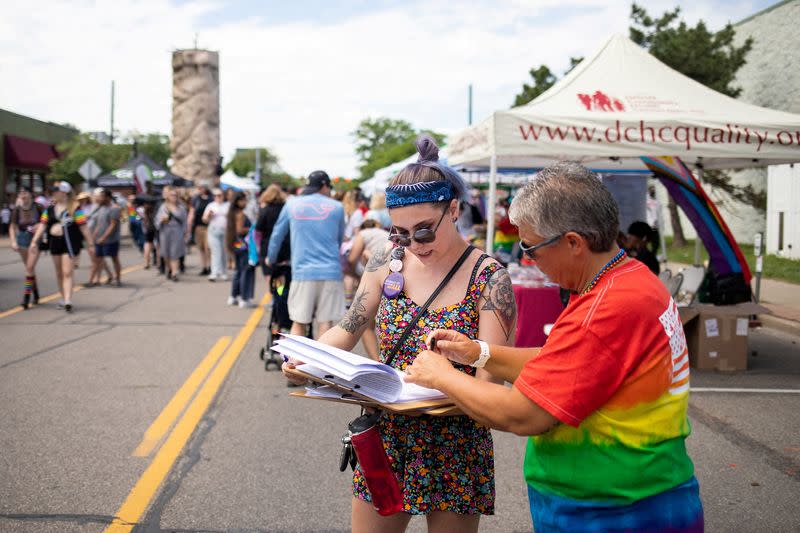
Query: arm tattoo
{"x": 356, "y": 317}
{"x": 499, "y": 296}
{"x": 378, "y": 260}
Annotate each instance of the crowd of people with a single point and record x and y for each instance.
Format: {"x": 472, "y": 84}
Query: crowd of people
{"x": 604, "y": 401}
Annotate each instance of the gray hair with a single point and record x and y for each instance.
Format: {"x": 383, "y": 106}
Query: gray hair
{"x": 568, "y": 197}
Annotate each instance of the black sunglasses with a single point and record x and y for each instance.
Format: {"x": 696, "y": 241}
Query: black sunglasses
{"x": 530, "y": 251}
{"x": 422, "y": 235}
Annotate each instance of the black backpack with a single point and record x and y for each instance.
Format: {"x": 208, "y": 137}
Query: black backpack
{"x": 725, "y": 289}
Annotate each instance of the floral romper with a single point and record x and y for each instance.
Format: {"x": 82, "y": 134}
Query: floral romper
{"x": 442, "y": 463}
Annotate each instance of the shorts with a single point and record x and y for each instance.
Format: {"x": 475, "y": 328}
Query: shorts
{"x": 322, "y": 301}
{"x": 201, "y": 237}
{"x": 58, "y": 246}
{"x": 24, "y": 239}
{"x": 150, "y": 235}
{"x": 677, "y": 510}
{"x": 107, "y": 249}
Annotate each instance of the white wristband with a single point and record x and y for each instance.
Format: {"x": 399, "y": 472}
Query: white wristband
{"x": 484, "y": 356}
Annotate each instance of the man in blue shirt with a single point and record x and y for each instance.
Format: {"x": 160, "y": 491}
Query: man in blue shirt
{"x": 316, "y": 225}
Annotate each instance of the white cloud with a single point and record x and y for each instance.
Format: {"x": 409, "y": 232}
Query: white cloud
{"x": 300, "y": 87}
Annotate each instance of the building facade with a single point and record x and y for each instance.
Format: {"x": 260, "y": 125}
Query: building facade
{"x": 27, "y": 146}
{"x": 770, "y": 78}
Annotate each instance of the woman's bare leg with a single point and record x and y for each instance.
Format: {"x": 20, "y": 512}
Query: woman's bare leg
{"x": 148, "y": 253}
{"x": 59, "y": 274}
{"x": 365, "y": 519}
{"x": 446, "y": 521}
{"x": 24, "y": 255}
{"x": 67, "y": 274}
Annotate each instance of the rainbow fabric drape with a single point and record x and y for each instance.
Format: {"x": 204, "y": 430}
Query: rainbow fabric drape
{"x": 724, "y": 253}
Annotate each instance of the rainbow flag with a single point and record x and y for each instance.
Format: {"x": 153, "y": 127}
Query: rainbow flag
{"x": 239, "y": 245}
{"x": 45, "y": 217}
{"x": 723, "y": 250}
{"x": 131, "y": 213}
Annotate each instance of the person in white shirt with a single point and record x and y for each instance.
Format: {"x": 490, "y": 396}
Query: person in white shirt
{"x": 215, "y": 215}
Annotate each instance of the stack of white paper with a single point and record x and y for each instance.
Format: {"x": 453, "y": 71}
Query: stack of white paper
{"x": 369, "y": 378}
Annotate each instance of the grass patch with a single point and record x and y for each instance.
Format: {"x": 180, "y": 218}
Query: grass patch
{"x": 774, "y": 267}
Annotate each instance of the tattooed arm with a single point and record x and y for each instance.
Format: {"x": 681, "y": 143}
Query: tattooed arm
{"x": 379, "y": 261}
{"x": 498, "y": 298}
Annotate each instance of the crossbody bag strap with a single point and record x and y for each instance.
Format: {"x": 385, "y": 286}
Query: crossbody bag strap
{"x": 422, "y": 310}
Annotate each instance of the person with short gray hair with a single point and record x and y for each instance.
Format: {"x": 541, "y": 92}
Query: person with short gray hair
{"x": 604, "y": 401}
{"x": 568, "y": 197}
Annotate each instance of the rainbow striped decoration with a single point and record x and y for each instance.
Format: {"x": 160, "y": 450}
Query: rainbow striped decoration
{"x": 239, "y": 245}
{"x": 79, "y": 217}
{"x": 28, "y": 285}
{"x": 45, "y": 217}
{"x": 723, "y": 251}
{"x": 131, "y": 213}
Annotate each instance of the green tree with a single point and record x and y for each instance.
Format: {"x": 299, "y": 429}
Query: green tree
{"x": 708, "y": 58}
{"x": 108, "y": 156}
{"x": 543, "y": 79}
{"x": 244, "y": 164}
{"x": 153, "y": 145}
{"x": 81, "y": 147}
{"x": 383, "y": 141}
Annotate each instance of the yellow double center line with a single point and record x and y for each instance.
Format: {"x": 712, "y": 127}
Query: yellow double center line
{"x": 145, "y": 489}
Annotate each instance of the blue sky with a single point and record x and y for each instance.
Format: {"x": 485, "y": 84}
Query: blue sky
{"x": 298, "y": 76}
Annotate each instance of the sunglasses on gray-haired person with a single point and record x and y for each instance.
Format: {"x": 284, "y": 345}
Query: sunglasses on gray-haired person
{"x": 530, "y": 251}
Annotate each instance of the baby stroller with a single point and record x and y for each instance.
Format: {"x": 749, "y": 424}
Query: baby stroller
{"x": 279, "y": 321}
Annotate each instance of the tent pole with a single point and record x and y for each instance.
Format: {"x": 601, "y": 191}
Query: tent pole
{"x": 491, "y": 205}
{"x": 697, "y": 243}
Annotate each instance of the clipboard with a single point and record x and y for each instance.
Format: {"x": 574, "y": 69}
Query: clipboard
{"x": 434, "y": 407}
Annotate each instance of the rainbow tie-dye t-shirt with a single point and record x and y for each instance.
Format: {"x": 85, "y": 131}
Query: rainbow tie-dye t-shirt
{"x": 615, "y": 372}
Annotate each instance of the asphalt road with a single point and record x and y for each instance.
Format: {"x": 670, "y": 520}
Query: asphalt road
{"x": 79, "y": 391}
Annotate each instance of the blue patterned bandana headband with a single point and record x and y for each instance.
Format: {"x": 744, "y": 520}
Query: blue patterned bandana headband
{"x": 418, "y": 193}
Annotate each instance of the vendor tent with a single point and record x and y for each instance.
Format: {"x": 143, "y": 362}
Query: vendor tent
{"x": 137, "y": 172}
{"x": 229, "y": 180}
{"x": 622, "y": 105}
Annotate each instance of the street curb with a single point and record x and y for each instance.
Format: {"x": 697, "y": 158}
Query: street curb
{"x": 781, "y": 324}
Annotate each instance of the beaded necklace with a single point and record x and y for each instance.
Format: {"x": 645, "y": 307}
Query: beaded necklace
{"x": 611, "y": 264}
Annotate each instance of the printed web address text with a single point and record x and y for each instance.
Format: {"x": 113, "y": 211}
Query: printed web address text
{"x": 686, "y": 135}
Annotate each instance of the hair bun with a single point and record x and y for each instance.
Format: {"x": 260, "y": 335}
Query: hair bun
{"x": 427, "y": 148}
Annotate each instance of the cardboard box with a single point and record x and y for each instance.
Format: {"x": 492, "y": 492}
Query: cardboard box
{"x": 717, "y": 335}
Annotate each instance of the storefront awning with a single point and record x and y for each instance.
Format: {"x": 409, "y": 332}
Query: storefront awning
{"x": 27, "y": 153}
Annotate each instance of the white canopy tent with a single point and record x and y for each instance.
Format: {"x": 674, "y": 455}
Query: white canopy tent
{"x": 621, "y": 104}
{"x": 380, "y": 180}
{"x": 229, "y": 180}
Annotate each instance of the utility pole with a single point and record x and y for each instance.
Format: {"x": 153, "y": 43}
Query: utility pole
{"x": 111, "y": 133}
{"x": 258, "y": 166}
{"x": 469, "y": 106}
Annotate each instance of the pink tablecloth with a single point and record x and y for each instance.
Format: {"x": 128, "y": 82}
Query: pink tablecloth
{"x": 536, "y": 307}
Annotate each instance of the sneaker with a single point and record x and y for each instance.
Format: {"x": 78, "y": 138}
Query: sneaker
{"x": 60, "y": 304}
{"x": 233, "y": 300}
{"x": 224, "y": 277}
{"x": 244, "y": 304}
{"x": 68, "y": 308}
{"x": 212, "y": 278}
